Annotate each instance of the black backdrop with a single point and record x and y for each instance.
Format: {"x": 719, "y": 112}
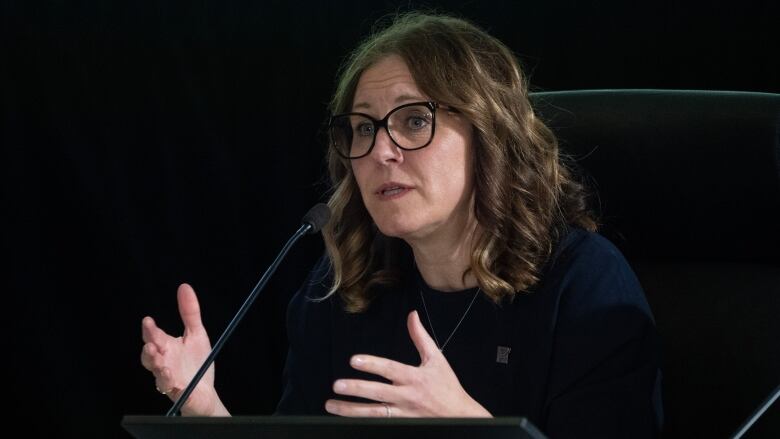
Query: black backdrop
{"x": 148, "y": 143}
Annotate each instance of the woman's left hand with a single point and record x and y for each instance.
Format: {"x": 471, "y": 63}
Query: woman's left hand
{"x": 428, "y": 390}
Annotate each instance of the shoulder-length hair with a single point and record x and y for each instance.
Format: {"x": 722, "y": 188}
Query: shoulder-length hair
{"x": 525, "y": 197}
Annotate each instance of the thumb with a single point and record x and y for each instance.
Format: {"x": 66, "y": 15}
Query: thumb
{"x": 422, "y": 341}
{"x": 189, "y": 309}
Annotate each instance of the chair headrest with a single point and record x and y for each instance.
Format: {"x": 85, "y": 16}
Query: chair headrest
{"x": 680, "y": 173}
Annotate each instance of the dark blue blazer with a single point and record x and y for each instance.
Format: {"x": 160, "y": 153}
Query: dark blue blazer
{"x": 578, "y": 355}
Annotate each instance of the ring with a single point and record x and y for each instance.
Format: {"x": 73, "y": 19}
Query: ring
{"x": 164, "y": 393}
{"x": 387, "y": 408}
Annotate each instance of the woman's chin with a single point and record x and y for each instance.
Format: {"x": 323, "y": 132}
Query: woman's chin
{"x": 407, "y": 232}
{"x": 391, "y": 232}
{"x": 395, "y": 230}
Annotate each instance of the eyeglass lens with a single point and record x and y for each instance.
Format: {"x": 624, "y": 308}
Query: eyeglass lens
{"x": 410, "y": 127}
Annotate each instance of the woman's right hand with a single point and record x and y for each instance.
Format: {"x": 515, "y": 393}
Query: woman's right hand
{"x": 175, "y": 360}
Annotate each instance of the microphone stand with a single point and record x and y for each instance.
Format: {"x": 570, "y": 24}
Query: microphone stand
{"x": 174, "y": 410}
{"x": 757, "y": 413}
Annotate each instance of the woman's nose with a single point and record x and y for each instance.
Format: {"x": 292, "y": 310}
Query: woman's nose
{"x": 385, "y": 150}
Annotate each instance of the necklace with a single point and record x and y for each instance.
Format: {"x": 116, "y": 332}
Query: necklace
{"x": 430, "y": 322}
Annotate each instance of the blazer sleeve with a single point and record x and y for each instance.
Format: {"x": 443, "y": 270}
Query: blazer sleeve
{"x": 605, "y": 379}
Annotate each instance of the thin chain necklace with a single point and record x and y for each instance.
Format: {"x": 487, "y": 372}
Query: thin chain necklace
{"x": 430, "y": 322}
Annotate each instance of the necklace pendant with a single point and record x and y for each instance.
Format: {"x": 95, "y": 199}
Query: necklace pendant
{"x": 430, "y": 322}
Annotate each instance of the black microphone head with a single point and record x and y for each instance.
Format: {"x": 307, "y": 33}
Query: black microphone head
{"x": 317, "y": 217}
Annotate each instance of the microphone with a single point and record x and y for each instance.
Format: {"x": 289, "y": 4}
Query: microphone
{"x": 317, "y": 217}
{"x": 312, "y": 222}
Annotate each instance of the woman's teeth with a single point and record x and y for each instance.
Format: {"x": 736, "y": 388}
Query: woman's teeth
{"x": 392, "y": 191}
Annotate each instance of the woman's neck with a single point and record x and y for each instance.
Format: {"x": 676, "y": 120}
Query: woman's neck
{"x": 443, "y": 261}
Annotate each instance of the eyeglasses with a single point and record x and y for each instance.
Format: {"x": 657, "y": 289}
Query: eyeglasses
{"x": 410, "y": 126}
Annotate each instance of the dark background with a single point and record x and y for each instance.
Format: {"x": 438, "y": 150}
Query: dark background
{"x": 149, "y": 143}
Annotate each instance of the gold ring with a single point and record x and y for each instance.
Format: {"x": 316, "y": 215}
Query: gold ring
{"x": 164, "y": 393}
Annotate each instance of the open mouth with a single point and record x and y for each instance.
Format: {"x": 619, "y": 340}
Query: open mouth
{"x": 392, "y": 190}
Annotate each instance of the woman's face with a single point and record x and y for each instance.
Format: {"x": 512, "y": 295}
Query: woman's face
{"x": 414, "y": 195}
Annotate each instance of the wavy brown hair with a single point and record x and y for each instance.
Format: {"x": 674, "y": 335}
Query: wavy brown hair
{"x": 525, "y": 197}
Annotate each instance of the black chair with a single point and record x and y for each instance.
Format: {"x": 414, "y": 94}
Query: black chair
{"x": 688, "y": 186}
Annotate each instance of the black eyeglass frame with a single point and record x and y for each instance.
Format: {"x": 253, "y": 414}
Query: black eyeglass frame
{"x": 383, "y": 124}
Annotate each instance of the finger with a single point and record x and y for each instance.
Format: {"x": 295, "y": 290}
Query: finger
{"x": 367, "y": 389}
{"x": 359, "y": 409}
{"x": 394, "y": 371}
{"x": 164, "y": 382}
{"x": 189, "y": 308}
{"x": 151, "y": 333}
{"x": 422, "y": 341}
{"x": 156, "y": 360}
{"x": 150, "y": 358}
{"x": 147, "y": 323}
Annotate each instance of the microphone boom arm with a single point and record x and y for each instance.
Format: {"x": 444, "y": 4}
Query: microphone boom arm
{"x": 174, "y": 410}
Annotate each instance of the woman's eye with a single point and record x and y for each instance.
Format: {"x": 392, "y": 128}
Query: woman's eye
{"x": 365, "y": 129}
{"x": 416, "y": 122}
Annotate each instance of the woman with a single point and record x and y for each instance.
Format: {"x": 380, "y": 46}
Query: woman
{"x": 463, "y": 276}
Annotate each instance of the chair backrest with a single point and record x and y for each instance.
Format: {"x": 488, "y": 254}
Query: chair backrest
{"x": 688, "y": 185}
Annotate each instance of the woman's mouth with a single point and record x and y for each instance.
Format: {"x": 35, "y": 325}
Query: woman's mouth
{"x": 392, "y": 191}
